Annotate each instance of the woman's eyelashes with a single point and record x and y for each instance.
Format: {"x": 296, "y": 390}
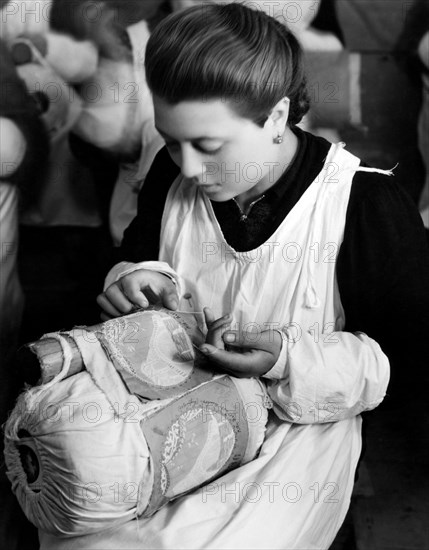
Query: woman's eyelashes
{"x": 208, "y": 150}
{"x": 174, "y": 146}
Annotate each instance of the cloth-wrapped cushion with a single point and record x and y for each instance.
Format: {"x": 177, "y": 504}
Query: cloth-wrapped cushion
{"x": 86, "y": 452}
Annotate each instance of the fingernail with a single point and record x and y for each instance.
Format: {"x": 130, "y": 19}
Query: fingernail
{"x": 204, "y": 350}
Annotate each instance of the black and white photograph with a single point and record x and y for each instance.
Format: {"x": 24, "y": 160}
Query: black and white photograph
{"x": 214, "y": 274}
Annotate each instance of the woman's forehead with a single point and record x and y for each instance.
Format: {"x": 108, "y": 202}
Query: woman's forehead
{"x": 196, "y": 118}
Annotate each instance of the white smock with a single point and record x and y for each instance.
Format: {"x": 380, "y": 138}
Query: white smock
{"x": 296, "y": 493}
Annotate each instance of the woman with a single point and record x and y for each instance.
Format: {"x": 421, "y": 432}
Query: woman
{"x": 286, "y": 239}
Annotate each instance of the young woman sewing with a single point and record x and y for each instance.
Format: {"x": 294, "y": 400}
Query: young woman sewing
{"x": 300, "y": 256}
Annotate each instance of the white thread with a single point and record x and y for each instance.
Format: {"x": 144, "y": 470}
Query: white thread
{"x": 378, "y": 170}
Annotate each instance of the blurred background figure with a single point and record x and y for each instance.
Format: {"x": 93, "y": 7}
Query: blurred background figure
{"x": 118, "y": 119}
{"x": 84, "y": 63}
{"x": 73, "y": 112}
{"x": 23, "y": 152}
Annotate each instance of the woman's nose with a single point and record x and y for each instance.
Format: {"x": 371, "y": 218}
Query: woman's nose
{"x": 192, "y": 164}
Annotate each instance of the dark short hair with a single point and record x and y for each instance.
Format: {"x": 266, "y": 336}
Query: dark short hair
{"x": 230, "y": 52}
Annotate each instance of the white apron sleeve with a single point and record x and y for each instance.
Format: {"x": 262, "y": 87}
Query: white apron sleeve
{"x": 337, "y": 377}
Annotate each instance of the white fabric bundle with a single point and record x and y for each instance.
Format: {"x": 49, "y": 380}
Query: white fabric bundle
{"x": 82, "y": 456}
{"x": 84, "y": 453}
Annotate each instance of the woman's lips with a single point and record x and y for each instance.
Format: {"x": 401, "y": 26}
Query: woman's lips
{"x": 213, "y": 188}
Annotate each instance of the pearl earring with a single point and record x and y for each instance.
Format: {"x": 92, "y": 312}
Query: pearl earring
{"x": 278, "y": 139}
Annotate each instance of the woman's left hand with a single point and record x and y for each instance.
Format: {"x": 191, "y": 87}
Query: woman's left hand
{"x": 239, "y": 353}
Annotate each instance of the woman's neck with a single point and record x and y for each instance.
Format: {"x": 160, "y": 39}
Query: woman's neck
{"x": 282, "y": 160}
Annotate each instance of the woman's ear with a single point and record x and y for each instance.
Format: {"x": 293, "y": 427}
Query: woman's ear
{"x": 279, "y": 115}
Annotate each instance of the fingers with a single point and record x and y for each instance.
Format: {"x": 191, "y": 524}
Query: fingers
{"x": 132, "y": 291}
{"x": 156, "y": 288}
{"x": 138, "y": 288}
{"x": 245, "y": 354}
{"x": 104, "y": 317}
{"x": 241, "y": 365}
{"x": 169, "y": 297}
{"x": 216, "y": 324}
{"x": 208, "y": 316}
{"x": 216, "y": 327}
{"x": 120, "y": 298}
{"x": 267, "y": 340}
{"x": 113, "y": 304}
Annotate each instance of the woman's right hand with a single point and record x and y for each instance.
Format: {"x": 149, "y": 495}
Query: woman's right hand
{"x": 137, "y": 289}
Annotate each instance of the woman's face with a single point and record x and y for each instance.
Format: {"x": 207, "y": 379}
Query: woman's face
{"x": 223, "y": 153}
